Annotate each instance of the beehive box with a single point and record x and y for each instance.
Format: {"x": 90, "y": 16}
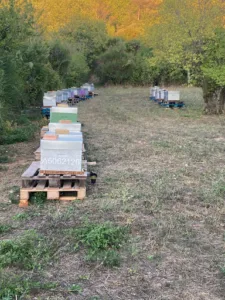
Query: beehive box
{"x": 162, "y": 94}
{"x": 173, "y": 96}
{"x": 155, "y": 91}
{"x": 49, "y": 101}
{"x": 63, "y": 113}
{"x": 61, "y": 154}
{"x": 71, "y": 127}
{"x": 65, "y": 133}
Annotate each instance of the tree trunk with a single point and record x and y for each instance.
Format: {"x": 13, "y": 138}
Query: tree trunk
{"x": 214, "y": 99}
{"x": 189, "y": 77}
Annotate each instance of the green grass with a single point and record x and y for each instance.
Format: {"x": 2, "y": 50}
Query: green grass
{"x": 102, "y": 242}
{"x": 30, "y": 251}
{"x": 38, "y": 199}
{"x": 5, "y": 228}
{"x": 18, "y": 287}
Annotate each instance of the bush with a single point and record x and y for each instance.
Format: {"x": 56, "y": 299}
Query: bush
{"x": 18, "y": 134}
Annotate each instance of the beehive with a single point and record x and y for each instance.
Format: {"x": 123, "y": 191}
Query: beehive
{"x": 173, "y": 96}
{"x": 71, "y": 127}
{"x": 61, "y": 154}
{"x": 63, "y": 113}
{"x": 49, "y": 100}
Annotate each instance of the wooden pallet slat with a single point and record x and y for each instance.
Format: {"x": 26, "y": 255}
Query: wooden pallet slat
{"x": 41, "y": 185}
{"x": 32, "y": 170}
{"x": 67, "y": 185}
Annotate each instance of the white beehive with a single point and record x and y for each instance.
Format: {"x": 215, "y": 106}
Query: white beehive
{"x": 173, "y": 96}
{"x": 162, "y": 94}
{"x": 49, "y": 101}
{"x": 62, "y": 154}
{"x": 72, "y": 127}
{"x": 86, "y": 86}
{"x": 158, "y": 94}
{"x": 155, "y": 91}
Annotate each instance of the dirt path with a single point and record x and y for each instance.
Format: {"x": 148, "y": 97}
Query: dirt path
{"x": 161, "y": 172}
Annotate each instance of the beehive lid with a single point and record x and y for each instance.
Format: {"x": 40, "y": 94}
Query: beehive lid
{"x": 67, "y": 110}
{"x": 62, "y": 143}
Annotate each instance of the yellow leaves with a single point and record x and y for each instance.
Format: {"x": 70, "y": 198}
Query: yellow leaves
{"x": 127, "y": 18}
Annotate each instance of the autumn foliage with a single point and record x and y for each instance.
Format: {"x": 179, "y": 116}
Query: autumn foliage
{"x": 126, "y": 18}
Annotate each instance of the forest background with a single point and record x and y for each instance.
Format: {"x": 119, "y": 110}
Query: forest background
{"x": 48, "y": 45}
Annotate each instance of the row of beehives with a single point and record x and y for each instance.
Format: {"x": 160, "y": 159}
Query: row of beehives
{"x": 62, "y": 145}
{"x": 51, "y": 98}
{"x": 162, "y": 95}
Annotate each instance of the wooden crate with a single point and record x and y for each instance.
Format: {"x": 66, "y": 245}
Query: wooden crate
{"x": 57, "y": 187}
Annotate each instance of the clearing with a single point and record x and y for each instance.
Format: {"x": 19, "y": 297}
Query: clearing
{"x": 160, "y": 173}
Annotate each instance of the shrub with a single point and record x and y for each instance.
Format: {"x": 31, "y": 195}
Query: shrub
{"x": 18, "y": 134}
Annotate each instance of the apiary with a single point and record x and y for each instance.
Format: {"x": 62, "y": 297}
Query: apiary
{"x": 63, "y": 113}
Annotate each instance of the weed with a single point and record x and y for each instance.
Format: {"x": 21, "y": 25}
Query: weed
{"x": 14, "y": 195}
{"x": 4, "y": 159}
{"x": 75, "y": 288}
{"x": 5, "y": 228}
{"x": 102, "y": 242}
{"x": 30, "y": 251}
{"x": 16, "y": 287}
{"x": 21, "y": 217}
{"x": 13, "y": 286}
{"x": 38, "y": 198}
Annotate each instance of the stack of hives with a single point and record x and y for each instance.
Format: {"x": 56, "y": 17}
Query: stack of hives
{"x": 61, "y": 171}
{"x": 69, "y": 96}
{"x": 165, "y": 98}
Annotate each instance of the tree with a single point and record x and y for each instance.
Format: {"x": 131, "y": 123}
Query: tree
{"x": 213, "y": 68}
{"x": 87, "y": 36}
{"x": 179, "y": 38}
{"x": 116, "y": 64}
{"x": 184, "y": 25}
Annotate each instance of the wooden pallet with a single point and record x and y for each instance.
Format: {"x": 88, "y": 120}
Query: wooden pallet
{"x": 57, "y": 187}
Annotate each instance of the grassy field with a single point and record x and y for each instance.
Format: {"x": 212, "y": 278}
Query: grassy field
{"x": 151, "y": 228}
